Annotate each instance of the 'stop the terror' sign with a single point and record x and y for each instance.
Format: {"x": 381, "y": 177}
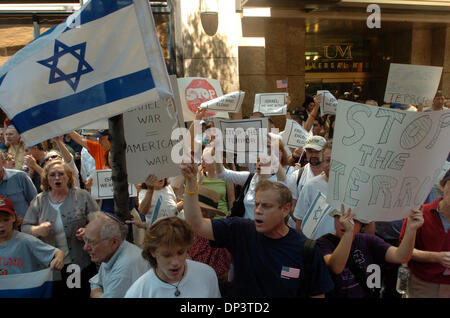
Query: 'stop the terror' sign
{"x": 385, "y": 161}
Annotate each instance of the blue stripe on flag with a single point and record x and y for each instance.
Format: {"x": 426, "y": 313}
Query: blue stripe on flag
{"x": 44, "y": 291}
{"x": 97, "y": 9}
{"x": 2, "y": 78}
{"x": 98, "y": 95}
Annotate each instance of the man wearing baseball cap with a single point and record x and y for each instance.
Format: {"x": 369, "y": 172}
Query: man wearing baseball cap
{"x": 20, "y": 252}
{"x": 313, "y": 149}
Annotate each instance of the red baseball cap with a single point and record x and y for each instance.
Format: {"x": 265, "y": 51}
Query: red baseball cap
{"x": 6, "y": 205}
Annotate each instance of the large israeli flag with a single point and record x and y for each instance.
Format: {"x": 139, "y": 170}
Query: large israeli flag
{"x": 29, "y": 285}
{"x": 103, "y": 60}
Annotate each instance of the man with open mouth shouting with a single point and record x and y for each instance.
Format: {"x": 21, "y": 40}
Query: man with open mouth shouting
{"x": 268, "y": 256}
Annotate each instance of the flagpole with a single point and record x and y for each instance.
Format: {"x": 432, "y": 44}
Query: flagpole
{"x": 119, "y": 173}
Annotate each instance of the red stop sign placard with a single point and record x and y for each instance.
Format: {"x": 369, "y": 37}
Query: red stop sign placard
{"x": 199, "y": 91}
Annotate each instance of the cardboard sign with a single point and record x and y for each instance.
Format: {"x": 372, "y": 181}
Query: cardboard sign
{"x": 327, "y": 103}
{"x": 243, "y": 136}
{"x": 294, "y": 135}
{"x": 317, "y": 221}
{"x": 385, "y": 161}
{"x": 412, "y": 84}
{"x": 229, "y": 103}
{"x": 148, "y": 131}
{"x": 193, "y": 91}
{"x": 271, "y": 104}
{"x": 102, "y": 185}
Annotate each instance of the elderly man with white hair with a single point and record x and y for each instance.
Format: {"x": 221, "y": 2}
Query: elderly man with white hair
{"x": 121, "y": 261}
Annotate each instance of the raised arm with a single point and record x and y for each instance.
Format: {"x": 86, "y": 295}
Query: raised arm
{"x": 67, "y": 156}
{"x": 403, "y": 253}
{"x": 78, "y": 139}
{"x": 192, "y": 211}
{"x": 314, "y": 113}
{"x": 338, "y": 259}
{"x": 198, "y": 117}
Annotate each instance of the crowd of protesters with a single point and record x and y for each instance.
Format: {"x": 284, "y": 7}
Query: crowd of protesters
{"x": 217, "y": 230}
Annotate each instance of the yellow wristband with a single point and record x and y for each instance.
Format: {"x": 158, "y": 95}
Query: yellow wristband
{"x": 192, "y": 193}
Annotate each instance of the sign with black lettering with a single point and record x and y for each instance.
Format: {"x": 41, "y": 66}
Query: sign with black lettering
{"x": 246, "y": 137}
{"x": 294, "y": 135}
{"x": 148, "y": 130}
{"x": 271, "y": 104}
{"x": 412, "y": 84}
{"x": 102, "y": 185}
{"x": 385, "y": 161}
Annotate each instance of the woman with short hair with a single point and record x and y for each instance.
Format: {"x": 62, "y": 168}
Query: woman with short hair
{"x": 166, "y": 246}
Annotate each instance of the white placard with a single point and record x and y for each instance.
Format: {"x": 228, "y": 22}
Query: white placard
{"x": 317, "y": 222}
{"x": 193, "y": 91}
{"x": 412, "y": 84}
{"x": 444, "y": 169}
{"x": 102, "y": 185}
{"x": 242, "y": 135}
{"x": 148, "y": 130}
{"x": 270, "y": 104}
{"x": 385, "y": 161}
{"x": 229, "y": 103}
{"x": 294, "y": 134}
{"x": 328, "y": 103}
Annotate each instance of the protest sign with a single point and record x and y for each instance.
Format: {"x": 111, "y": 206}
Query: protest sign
{"x": 244, "y": 136}
{"x": 327, "y": 103}
{"x": 271, "y": 103}
{"x": 294, "y": 135}
{"x": 229, "y": 103}
{"x": 412, "y": 84}
{"x": 148, "y": 130}
{"x": 385, "y": 161}
{"x": 193, "y": 91}
{"x": 317, "y": 221}
{"x": 102, "y": 185}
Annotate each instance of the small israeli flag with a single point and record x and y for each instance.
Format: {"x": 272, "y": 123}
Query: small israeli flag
{"x": 102, "y": 61}
{"x": 29, "y": 285}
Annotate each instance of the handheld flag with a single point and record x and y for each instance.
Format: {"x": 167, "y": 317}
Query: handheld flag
{"x": 101, "y": 61}
{"x": 28, "y": 285}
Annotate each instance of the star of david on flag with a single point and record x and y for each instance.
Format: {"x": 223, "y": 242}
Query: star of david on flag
{"x": 75, "y": 74}
{"x": 56, "y": 74}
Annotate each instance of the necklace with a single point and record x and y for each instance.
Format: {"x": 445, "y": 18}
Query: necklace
{"x": 177, "y": 291}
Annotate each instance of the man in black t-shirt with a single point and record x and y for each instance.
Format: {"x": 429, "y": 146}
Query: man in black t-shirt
{"x": 267, "y": 255}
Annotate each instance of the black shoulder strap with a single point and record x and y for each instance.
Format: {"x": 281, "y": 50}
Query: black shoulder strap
{"x": 247, "y": 183}
{"x": 300, "y": 172}
{"x": 308, "y": 258}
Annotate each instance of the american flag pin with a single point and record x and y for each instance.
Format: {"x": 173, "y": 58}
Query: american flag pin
{"x": 290, "y": 272}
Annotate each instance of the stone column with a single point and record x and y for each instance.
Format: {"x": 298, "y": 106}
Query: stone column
{"x": 285, "y": 59}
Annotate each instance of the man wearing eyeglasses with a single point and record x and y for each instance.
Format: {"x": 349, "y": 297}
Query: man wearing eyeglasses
{"x": 121, "y": 261}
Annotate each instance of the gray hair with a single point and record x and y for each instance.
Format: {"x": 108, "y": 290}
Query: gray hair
{"x": 110, "y": 226}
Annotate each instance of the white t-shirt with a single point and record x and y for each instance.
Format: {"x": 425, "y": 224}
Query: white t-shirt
{"x": 307, "y": 175}
{"x": 305, "y": 200}
{"x": 200, "y": 281}
{"x": 164, "y": 199}
{"x": 307, "y": 195}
